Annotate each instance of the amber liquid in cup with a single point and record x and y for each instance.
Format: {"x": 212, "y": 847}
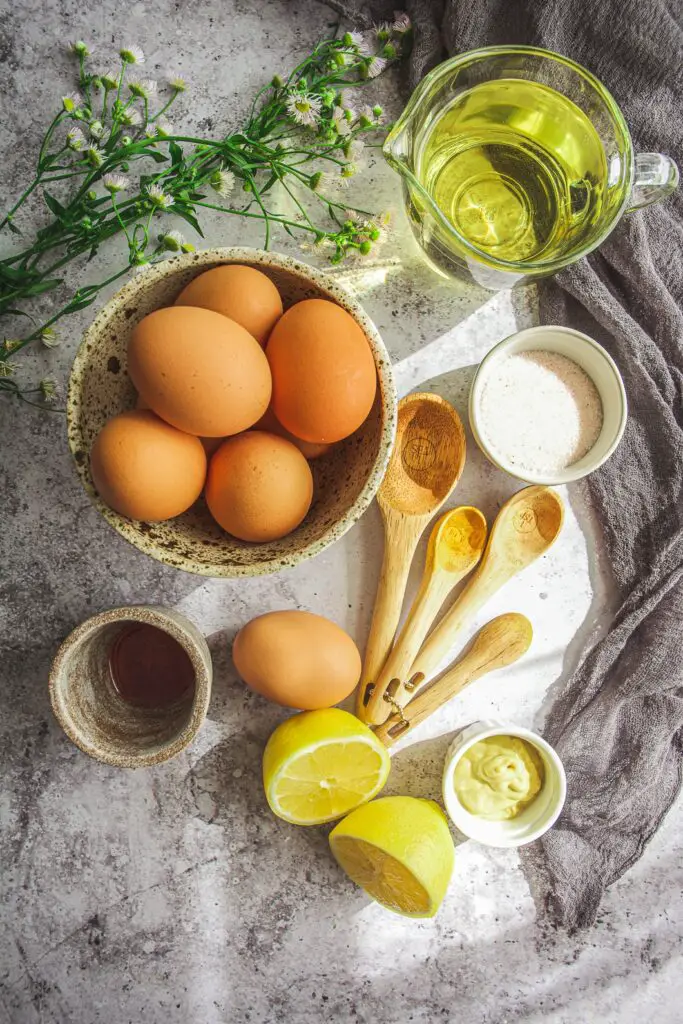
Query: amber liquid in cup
{"x": 149, "y": 669}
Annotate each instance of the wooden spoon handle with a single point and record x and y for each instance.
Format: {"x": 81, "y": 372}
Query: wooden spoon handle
{"x": 500, "y": 642}
{"x": 480, "y": 587}
{"x": 431, "y": 596}
{"x": 402, "y": 534}
{"x": 427, "y": 702}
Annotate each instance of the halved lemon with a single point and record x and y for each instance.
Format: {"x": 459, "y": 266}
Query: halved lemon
{"x": 399, "y": 849}
{"x": 319, "y": 765}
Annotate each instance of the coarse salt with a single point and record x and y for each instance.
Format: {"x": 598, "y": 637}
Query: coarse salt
{"x": 540, "y": 411}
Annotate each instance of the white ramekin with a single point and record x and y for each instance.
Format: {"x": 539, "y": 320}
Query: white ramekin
{"x": 599, "y": 366}
{"x": 535, "y": 819}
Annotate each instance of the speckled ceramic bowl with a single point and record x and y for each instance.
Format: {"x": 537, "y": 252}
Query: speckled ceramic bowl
{"x": 346, "y": 479}
{"x": 96, "y": 718}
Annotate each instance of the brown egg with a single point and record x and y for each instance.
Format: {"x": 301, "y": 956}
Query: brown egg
{"x": 259, "y": 486}
{"x": 244, "y": 294}
{"x": 209, "y": 444}
{"x": 199, "y": 371}
{"x": 146, "y": 469}
{"x": 297, "y": 659}
{"x": 324, "y": 378}
{"x": 270, "y": 423}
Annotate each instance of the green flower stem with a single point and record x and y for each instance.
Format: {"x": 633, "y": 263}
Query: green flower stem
{"x": 67, "y": 308}
{"x": 163, "y": 109}
{"x": 270, "y": 152}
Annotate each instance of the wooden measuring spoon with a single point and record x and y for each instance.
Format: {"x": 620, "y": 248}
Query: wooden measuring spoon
{"x": 425, "y": 466}
{"x": 526, "y": 526}
{"x": 501, "y": 642}
{"x": 455, "y": 546}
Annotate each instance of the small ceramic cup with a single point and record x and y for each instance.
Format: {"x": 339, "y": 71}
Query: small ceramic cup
{"x": 93, "y": 714}
{"x": 535, "y": 819}
{"x": 596, "y": 362}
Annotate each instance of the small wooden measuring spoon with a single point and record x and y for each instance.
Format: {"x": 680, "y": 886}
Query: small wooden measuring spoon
{"x": 426, "y": 464}
{"x": 526, "y": 526}
{"x": 499, "y": 643}
{"x": 455, "y": 546}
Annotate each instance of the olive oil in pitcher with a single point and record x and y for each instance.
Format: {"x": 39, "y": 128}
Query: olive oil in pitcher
{"x": 517, "y": 168}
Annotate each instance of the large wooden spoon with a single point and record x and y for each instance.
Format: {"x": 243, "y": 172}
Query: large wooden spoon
{"x": 499, "y": 643}
{"x": 426, "y": 464}
{"x": 526, "y": 526}
{"x": 455, "y": 546}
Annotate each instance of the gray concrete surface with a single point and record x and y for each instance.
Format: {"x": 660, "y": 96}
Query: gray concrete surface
{"x": 172, "y": 895}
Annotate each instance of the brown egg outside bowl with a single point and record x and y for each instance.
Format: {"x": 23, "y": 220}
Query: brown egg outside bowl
{"x": 345, "y": 479}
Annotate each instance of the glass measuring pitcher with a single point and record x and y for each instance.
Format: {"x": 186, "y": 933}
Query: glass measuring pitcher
{"x": 515, "y": 163}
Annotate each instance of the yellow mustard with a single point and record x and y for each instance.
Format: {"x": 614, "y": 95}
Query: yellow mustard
{"x": 498, "y": 777}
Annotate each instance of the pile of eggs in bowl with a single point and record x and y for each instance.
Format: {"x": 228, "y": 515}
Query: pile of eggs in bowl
{"x": 235, "y": 398}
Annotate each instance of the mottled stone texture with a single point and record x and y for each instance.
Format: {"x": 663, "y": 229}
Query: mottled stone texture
{"x": 172, "y": 895}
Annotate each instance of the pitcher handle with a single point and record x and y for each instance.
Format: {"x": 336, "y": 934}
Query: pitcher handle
{"x": 656, "y": 176}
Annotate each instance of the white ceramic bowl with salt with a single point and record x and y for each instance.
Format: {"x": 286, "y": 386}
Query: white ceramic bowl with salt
{"x": 583, "y": 351}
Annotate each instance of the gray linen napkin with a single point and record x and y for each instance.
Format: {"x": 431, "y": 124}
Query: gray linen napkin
{"x": 618, "y": 725}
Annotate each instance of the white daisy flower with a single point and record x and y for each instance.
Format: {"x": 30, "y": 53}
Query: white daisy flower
{"x": 375, "y": 66}
{"x": 72, "y": 101}
{"x": 382, "y": 31}
{"x": 370, "y": 116}
{"x": 75, "y": 139}
{"x": 49, "y": 337}
{"x": 354, "y": 150}
{"x": 49, "y": 389}
{"x": 340, "y": 122}
{"x": 109, "y": 80}
{"x": 359, "y": 42}
{"x": 80, "y": 48}
{"x": 163, "y": 126}
{"x": 132, "y": 55}
{"x": 178, "y": 84}
{"x": 143, "y": 87}
{"x": 96, "y": 129}
{"x": 401, "y": 23}
{"x": 131, "y": 116}
{"x": 319, "y": 181}
{"x": 222, "y": 182}
{"x": 162, "y": 200}
{"x": 11, "y": 345}
{"x": 94, "y": 156}
{"x": 116, "y": 182}
{"x": 172, "y": 240}
{"x": 303, "y": 108}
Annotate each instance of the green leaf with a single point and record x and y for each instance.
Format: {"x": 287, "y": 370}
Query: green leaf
{"x": 187, "y": 216}
{"x": 18, "y": 312}
{"x": 158, "y": 158}
{"x": 8, "y": 273}
{"x": 176, "y": 154}
{"x": 269, "y": 184}
{"x": 81, "y": 303}
{"x": 13, "y": 228}
{"x": 43, "y": 286}
{"x": 54, "y": 206}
